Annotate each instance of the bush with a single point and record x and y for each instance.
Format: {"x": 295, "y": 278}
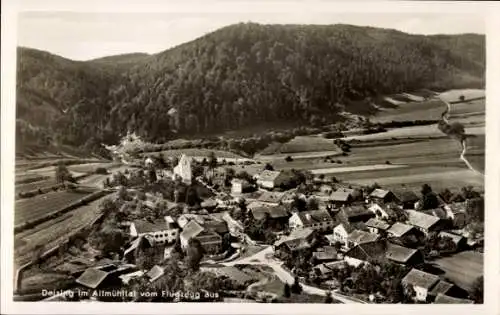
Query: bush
{"x": 289, "y": 159}
{"x": 387, "y": 162}
{"x": 101, "y": 170}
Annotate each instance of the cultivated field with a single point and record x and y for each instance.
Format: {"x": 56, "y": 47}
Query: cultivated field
{"x": 30, "y": 209}
{"x": 303, "y": 144}
{"x": 196, "y": 153}
{"x": 51, "y": 233}
{"x": 462, "y": 268}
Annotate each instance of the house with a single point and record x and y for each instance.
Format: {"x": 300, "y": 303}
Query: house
{"x": 155, "y": 273}
{"x": 325, "y": 254}
{"x": 92, "y": 278}
{"x": 380, "y": 212}
{"x": 377, "y": 226}
{"x": 382, "y": 195}
{"x": 399, "y": 229}
{"x": 319, "y": 220}
{"x": 183, "y": 170}
{"x": 356, "y": 213}
{"x": 235, "y": 274}
{"x": 129, "y": 276}
{"x": 358, "y": 237}
{"x": 234, "y": 227}
{"x": 437, "y": 212}
{"x": 457, "y": 214}
{"x": 239, "y": 186}
{"x": 343, "y": 228}
{"x": 444, "y": 299}
{"x": 276, "y": 213}
{"x": 209, "y": 204}
{"x": 423, "y": 222}
{"x": 271, "y": 179}
{"x": 406, "y": 198}
{"x": 271, "y": 198}
{"x": 297, "y": 240}
{"x": 340, "y": 198}
{"x": 459, "y": 241}
{"x": 161, "y": 231}
{"x": 209, "y": 239}
{"x": 421, "y": 282}
{"x": 403, "y": 255}
{"x": 141, "y": 242}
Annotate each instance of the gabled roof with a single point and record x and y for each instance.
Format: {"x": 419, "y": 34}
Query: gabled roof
{"x": 327, "y": 255}
{"x": 314, "y": 216}
{"x": 340, "y": 196}
{"x": 208, "y": 237}
{"x": 139, "y": 242}
{"x": 421, "y": 220}
{"x": 155, "y": 273}
{"x": 441, "y": 288}
{"x": 274, "y": 212}
{"x": 399, "y": 229}
{"x": 347, "y": 190}
{"x": 421, "y": 279}
{"x": 208, "y": 203}
{"x": 457, "y": 207}
{"x": 142, "y": 226}
{"x": 295, "y": 235}
{"x": 444, "y": 299}
{"x": 438, "y": 212}
{"x": 216, "y": 226}
{"x": 232, "y": 273}
{"x": 353, "y": 212}
{"x": 378, "y": 224}
{"x": 379, "y": 193}
{"x": 271, "y": 197}
{"x": 398, "y": 253}
{"x": 367, "y": 251}
{"x": 406, "y": 195}
{"x": 267, "y": 175}
{"x": 454, "y": 237}
{"x": 360, "y": 237}
{"x": 92, "y": 278}
{"x": 190, "y": 230}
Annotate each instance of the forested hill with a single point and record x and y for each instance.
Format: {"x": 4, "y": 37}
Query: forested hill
{"x": 237, "y": 76}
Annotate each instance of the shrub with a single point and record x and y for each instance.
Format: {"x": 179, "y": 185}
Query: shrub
{"x": 101, "y": 170}
{"x": 289, "y": 159}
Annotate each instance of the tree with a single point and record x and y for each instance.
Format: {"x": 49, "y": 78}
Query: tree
{"x": 268, "y": 167}
{"x": 194, "y": 254}
{"x": 461, "y": 98}
{"x": 425, "y": 189}
{"x": 328, "y": 298}
{"x": 478, "y": 290}
{"x": 286, "y": 290}
{"x": 62, "y": 174}
{"x": 152, "y": 175}
{"x": 296, "y": 287}
{"x": 212, "y": 160}
{"x": 312, "y": 204}
{"x": 289, "y": 159}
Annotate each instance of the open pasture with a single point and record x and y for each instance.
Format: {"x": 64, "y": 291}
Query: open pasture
{"x": 36, "y": 207}
{"x": 303, "y": 144}
{"x": 462, "y": 268}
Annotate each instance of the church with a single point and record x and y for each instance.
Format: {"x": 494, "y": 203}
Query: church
{"x": 183, "y": 170}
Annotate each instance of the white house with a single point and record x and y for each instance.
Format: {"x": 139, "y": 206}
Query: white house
{"x": 149, "y": 162}
{"x": 380, "y": 212}
{"x": 270, "y": 179}
{"x": 341, "y": 232}
{"x": 422, "y": 282}
{"x": 183, "y": 170}
{"x": 160, "y": 231}
{"x": 316, "y": 220}
{"x": 238, "y": 186}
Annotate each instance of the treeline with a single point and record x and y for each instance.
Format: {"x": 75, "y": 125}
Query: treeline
{"x": 236, "y": 77}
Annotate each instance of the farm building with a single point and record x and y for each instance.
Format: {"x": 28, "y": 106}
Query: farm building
{"x": 276, "y": 213}
{"x": 207, "y": 234}
{"x": 270, "y": 179}
{"x": 183, "y": 170}
{"x": 141, "y": 242}
{"x": 459, "y": 241}
{"x": 381, "y": 212}
{"x": 456, "y": 212}
{"x": 317, "y": 220}
{"x": 358, "y": 237}
{"x": 341, "y": 198}
{"x": 399, "y": 229}
{"x": 377, "y": 226}
{"x": 403, "y": 255}
{"x": 382, "y": 195}
{"x": 406, "y": 198}
{"x": 271, "y": 198}
{"x": 422, "y": 282}
{"x": 161, "y": 231}
{"x": 357, "y": 213}
{"x": 239, "y": 186}
{"x": 325, "y": 254}
{"x": 297, "y": 240}
{"x": 423, "y": 222}
{"x": 155, "y": 273}
{"x": 382, "y": 250}
{"x": 445, "y": 299}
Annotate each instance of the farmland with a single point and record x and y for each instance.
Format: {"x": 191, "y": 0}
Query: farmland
{"x": 197, "y": 153}
{"x": 462, "y": 268}
{"x": 50, "y": 233}
{"x": 36, "y": 207}
{"x": 302, "y": 144}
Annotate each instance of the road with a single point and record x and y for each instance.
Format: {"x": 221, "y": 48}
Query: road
{"x": 265, "y": 257}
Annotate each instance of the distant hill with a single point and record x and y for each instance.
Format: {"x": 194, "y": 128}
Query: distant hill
{"x": 235, "y": 77}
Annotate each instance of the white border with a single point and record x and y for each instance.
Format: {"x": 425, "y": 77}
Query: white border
{"x": 8, "y": 29}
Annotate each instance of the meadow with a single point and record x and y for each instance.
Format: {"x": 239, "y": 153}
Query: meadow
{"x": 301, "y": 145}
{"x": 462, "y": 268}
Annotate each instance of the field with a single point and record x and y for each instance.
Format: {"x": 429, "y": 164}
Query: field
{"x": 196, "y": 153}
{"x": 36, "y": 207}
{"x": 462, "y": 268}
{"x": 302, "y": 144}
{"x": 50, "y": 233}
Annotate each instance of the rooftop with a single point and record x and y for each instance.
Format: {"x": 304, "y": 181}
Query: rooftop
{"x": 381, "y": 225}
{"x": 398, "y": 253}
{"x": 444, "y": 299}
{"x": 379, "y": 193}
{"x": 399, "y": 229}
{"x": 406, "y": 195}
{"x": 314, "y": 216}
{"x": 441, "y": 288}
{"x": 360, "y": 237}
{"x": 455, "y": 238}
{"x": 267, "y": 175}
{"x": 274, "y": 212}
{"x": 421, "y": 220}
{"x": 92, "y": 278}
{"x": 421, "y": 279}
{"x": 155, "y": 273}
{"x": 142, "y": 226}
{"x": 295, "y": 235}
{"x": 271, "y": 197}
{"x": 190, "y": 230}
{"x": 340, "y": 196}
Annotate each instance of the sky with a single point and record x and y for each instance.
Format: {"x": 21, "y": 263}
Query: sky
{"x": 88, "y": 35}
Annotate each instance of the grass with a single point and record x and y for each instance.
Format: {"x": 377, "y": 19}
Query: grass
{"x": 196, "y": 153}
{"x": 50, "y": 233}
{"x": 36, "y": 207}
{"x": 302, "y": 144}
{"x": 463, "y": 268}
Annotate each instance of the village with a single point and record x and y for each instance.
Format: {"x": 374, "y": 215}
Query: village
{"x": 187, "y": 229}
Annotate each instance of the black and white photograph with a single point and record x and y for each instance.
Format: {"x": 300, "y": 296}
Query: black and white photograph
{"x": 206, "y": 156}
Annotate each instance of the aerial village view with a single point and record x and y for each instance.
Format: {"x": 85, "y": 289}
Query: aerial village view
{"x": 378, "y": 198}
